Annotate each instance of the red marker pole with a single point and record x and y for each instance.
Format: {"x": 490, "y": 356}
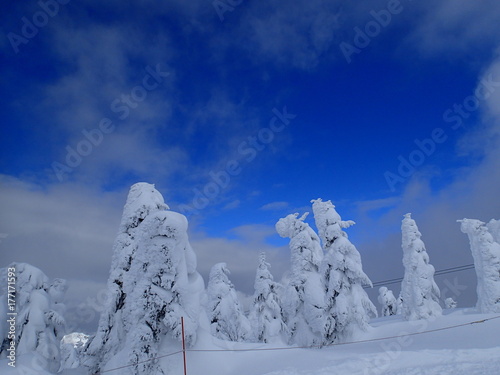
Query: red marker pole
{"x": 183, "y": 345}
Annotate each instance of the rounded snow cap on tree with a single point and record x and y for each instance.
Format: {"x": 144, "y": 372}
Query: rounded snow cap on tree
{"x": 409, "y": 227}
{"x": 219, "y": 271}
{"x": 471, "y": 225}
{"x": 166, "y": 223}
{"x": 321, "y": 207}
{"x": 142, "y": 199}
{"x": 383, "y": 290}
{"x": 290, "y": 225}
{"x": 325, "y": 212}
{"x": 28, "y": 274}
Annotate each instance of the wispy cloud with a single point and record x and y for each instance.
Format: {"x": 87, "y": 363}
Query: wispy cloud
{"x": 275, "y": 206}
{"x": 232, "y": 205}
{"x": 449, "y": 26}
{"x": 296, "y": 35}
{"x": 377, "y": 204}
{"x": 241, "y": 254}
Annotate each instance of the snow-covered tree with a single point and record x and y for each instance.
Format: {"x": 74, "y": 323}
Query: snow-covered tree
{"x": 450, "y": 303}
{"x": 419, "y": 291}
{"x": 71, "y": 346}
{"x": 399, "y": 306}
{"x": 347, "y": 305}
{"x": 266, "y": 317}
{"x": 486, "y": 254}
{"x": 494, "y": 229}
{"x": 225, "y": 313}
{"x": 153, "y": 283}
{"x": 387, "y": 301}
{"x": 304, "y": 296}
{"x": 39, "y": 323}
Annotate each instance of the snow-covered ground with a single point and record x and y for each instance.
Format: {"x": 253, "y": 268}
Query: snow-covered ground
{"x": 469, "y": 349}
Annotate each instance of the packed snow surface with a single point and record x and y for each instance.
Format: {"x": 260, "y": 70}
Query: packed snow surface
{"x": 469, "y": 349}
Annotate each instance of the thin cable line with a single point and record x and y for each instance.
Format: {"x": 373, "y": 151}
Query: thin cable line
{"x": 139, "y": 363}
{"x": 436, "y": 273}
{"x": 304, "y": 347}
{"x": 344, "y": 343}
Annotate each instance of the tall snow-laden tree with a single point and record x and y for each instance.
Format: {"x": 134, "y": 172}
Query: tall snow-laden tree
{"x": 266, "y": 317}
{"x": 304, "y": 295}
{"x": 348, "y": 307}
{"x": 40, "y": 324}
{"x": 153, "y": 283}
{"x": 494, "y": 229}
{"x": 387, "y": 301}
{"x": 486, "y": 254}
{"x": 419, "y": 292}
{"x": 227, "y": 320}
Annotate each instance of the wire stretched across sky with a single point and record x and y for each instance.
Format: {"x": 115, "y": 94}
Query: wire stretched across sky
{"x": 436, "y": 273}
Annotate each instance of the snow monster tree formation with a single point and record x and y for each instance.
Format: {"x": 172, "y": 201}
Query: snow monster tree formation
{"x": 153, "y": 283}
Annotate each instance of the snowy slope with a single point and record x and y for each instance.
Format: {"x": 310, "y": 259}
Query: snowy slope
{"x": 468, "y": 350}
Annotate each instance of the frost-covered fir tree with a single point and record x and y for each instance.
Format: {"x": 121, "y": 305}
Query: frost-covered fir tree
{"x": 304, "y": 296}
{"x": 387, "y": 301}
{"x": 153, "y": 283}
{"x": 486, "y": 254}
{"x": 227, "y": 320}
{"x": 399, "y": 309}
{"x": 494, "y": 229}
{"x": 348, "y": 307}
{"x": 39, "y": 324}
{"x": 419, "y": 292}
{"x": 266, "y": 317}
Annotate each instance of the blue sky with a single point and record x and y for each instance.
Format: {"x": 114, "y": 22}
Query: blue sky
{"x": 349, "y": 123}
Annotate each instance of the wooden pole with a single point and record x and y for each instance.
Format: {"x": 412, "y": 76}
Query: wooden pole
{"x": 183, "y": 345}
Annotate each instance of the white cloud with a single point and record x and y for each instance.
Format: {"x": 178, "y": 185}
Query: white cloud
{"x": 232, "y": 205}
{"x": 376, "y": 204}
{"x": 241, "y": 255}
{"x": 275, "y": 206}
{"x": 298, "y": 34}
{"x": 450, "y": 26}
{"x": 66, "y": 230}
